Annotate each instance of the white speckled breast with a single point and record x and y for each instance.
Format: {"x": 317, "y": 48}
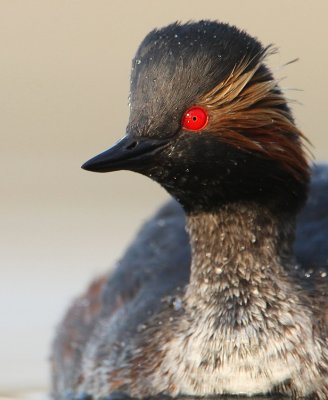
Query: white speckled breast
{"x": 248, "y": 360}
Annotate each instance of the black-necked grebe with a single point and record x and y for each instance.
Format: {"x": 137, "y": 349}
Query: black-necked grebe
{"x": 242, "y": 309}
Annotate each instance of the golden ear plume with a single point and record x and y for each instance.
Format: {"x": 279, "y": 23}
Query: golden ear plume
{"x": 246, "y": 110}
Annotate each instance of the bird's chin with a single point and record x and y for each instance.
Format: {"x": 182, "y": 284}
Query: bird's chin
{"x": 188, "y": 191}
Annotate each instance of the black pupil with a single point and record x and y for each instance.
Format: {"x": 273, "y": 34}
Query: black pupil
{"x": 194, "y": 118}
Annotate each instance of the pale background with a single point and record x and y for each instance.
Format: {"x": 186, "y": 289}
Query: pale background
{"x": 64, "y": 73}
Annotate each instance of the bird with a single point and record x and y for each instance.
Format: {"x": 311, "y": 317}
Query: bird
{"x": 224, "y": 290}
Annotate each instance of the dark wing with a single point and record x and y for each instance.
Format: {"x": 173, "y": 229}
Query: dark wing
{"x": 155, "y": 264}
{"x": 311, "y": 245}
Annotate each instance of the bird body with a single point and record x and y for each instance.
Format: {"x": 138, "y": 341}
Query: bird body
{"x": 234, "y": 305}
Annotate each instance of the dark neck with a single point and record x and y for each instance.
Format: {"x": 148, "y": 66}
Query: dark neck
{"x": 238, "y": 249}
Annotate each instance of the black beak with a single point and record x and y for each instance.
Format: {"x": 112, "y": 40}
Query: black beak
{"x": 128, "y": 153}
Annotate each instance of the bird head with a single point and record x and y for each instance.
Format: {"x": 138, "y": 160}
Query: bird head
{"x": 209, "y": 122}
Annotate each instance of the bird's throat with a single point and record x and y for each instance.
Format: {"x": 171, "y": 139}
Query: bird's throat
{"x": 237, "y": 252}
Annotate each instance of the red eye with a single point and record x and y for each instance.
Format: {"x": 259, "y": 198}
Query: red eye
{"x": 194, "y": 119}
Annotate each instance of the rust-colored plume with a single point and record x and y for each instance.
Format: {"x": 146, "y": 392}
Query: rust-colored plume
{"x": 246, "y": 110}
